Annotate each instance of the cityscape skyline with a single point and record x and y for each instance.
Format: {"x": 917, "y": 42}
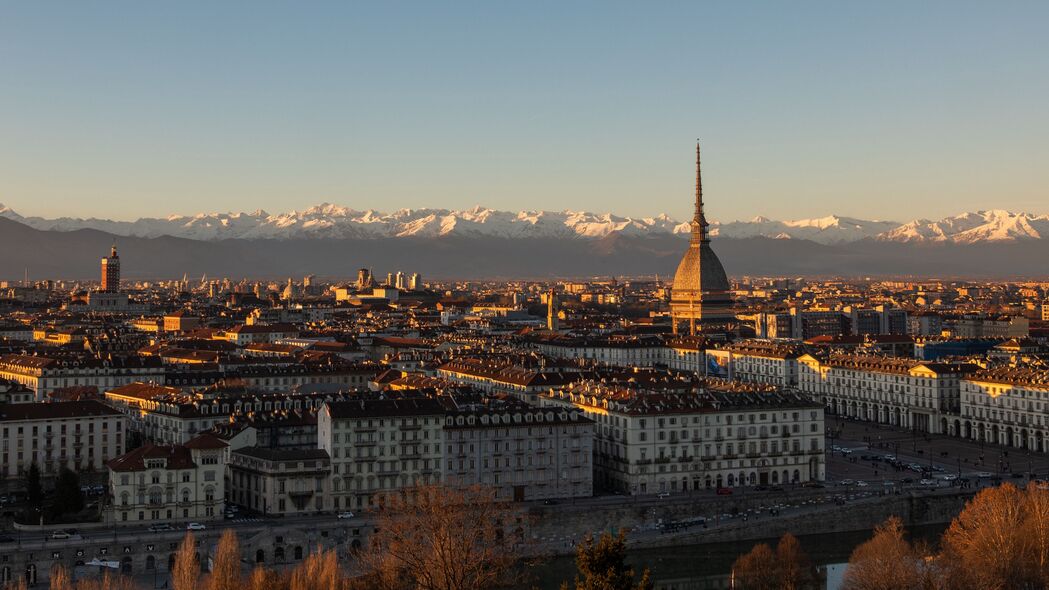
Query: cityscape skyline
{"x": 807, "y": 111}
{"x": 846, "y": 333}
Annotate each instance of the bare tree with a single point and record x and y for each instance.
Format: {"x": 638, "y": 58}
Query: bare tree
{"x": 1036, "y": 531}
{"x": 440, "y": 538}
{"x": 186, "y": 573}
{"x": 60, "y": 579}
{"x": 319, "y": 571}
{"x": 756, "y": 570}
{"x": 225, "y": 570}
{"x": 794, "y": 568}
{"x": 985, "y": 545}
{"x": 886, "y": 562}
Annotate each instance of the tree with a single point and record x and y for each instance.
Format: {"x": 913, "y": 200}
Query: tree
{"x": 68, "y": 497}
{"x": 225, "y": 571}
{"x": 788, "y": 568}
{"x": 602, "y": 566}
{"x": 319, "y": 571}
{"x": 756, "y": 570}
{"x": 985, "y": 545}
{"x": 794, "y": 568}
{"x": 887, "y": 561}
{"x": 185, "y": 574}
{"x": 34, "y": 489}
{"x": 439, "y": 538}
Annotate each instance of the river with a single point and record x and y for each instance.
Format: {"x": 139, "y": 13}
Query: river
{"x": 707, "y": 566}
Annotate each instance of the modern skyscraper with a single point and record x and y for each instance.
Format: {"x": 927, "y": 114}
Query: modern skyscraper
{"x": 111, "y": 271}
{"x": 399, "y": 282}
{"x": 416, "y": 282}
{"x": 700, "y": 294}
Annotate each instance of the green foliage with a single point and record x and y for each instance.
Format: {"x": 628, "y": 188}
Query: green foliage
{"x": 68, "y": 497}
{"x": 602, "y": 566}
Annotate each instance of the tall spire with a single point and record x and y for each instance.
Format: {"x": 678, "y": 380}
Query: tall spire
{"x": 699, "y": 222}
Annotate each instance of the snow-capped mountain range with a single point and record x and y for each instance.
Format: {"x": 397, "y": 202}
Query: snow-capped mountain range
{"x": 334, "y": 221}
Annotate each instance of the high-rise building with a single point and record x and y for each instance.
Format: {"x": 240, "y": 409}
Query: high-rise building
{"x": 399, "y": 281}
{"x": 416, "y": 283}
{"x": 700, "y": 295}
{"x": 389, "y": 279}
{"x": 111, "y": 271}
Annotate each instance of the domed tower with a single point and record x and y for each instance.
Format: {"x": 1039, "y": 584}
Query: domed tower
{"x": 700, "y": 294}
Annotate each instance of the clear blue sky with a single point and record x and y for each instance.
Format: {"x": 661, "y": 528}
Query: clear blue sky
{"x": 888, "y": 110}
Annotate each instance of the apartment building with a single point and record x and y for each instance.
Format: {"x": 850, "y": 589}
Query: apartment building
{"x": 1006, "y": 406}
{"x": 44, "y": 374}
{"x": 717, "y": 434}
{"x": 523, "y": 452}
{"x": 920, "y": 395}
{"x": 283, "y": 482}
{"x": 380, "y": 445}
{"x": 79, "y": 435}
{"x": 162, "y": 483}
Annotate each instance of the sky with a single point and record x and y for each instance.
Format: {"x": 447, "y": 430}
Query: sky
{"x": 879, "y": 110}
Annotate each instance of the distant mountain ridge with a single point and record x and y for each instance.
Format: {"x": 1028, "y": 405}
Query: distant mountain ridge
{"x": 76, "y": 254}
{"x": 328, "y": 221}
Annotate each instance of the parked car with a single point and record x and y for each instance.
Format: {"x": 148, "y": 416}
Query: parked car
{"x": 927, "y": 482}
{"x": 195, "y": 526}
{"x": 724, "y": 491}
{"x": 60, "y": 535}
{"x": 344, "y": 515}
{"x": 161, "y": 527}
{"x": 663, "y": 495}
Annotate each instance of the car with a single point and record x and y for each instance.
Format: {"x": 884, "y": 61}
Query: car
{"x": 345, "y": 515}
{"x": 862, "y": 484}
{"x": 812, "y": 484}
{"x": 846, "y": 482}
{"x": 195, "y": 526}
{"x": 888, "y": 483}
{"x": 229, "y": 515}
{"x": 724, "y": 491}
{"x": 7, "y": 539}
{"x": 158, "y": 528}
{"x": 948, "y": 477}
{"x": 984, "y": 474}
{"x": 927, "y": 482}
{"x": 776, "y": 488}
{"x": 60, "y": 535}
{"x": 663, "y": 495}
{"x": 908, "y": 480}
{"x": 761, "y": 488}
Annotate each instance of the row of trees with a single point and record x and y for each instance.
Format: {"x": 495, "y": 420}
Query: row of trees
{"x": 430, "y": 538}
{"x": 1000, "y": 541}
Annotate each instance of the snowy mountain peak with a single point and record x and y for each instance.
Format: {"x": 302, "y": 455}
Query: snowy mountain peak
{"x": 328, "y": 220}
